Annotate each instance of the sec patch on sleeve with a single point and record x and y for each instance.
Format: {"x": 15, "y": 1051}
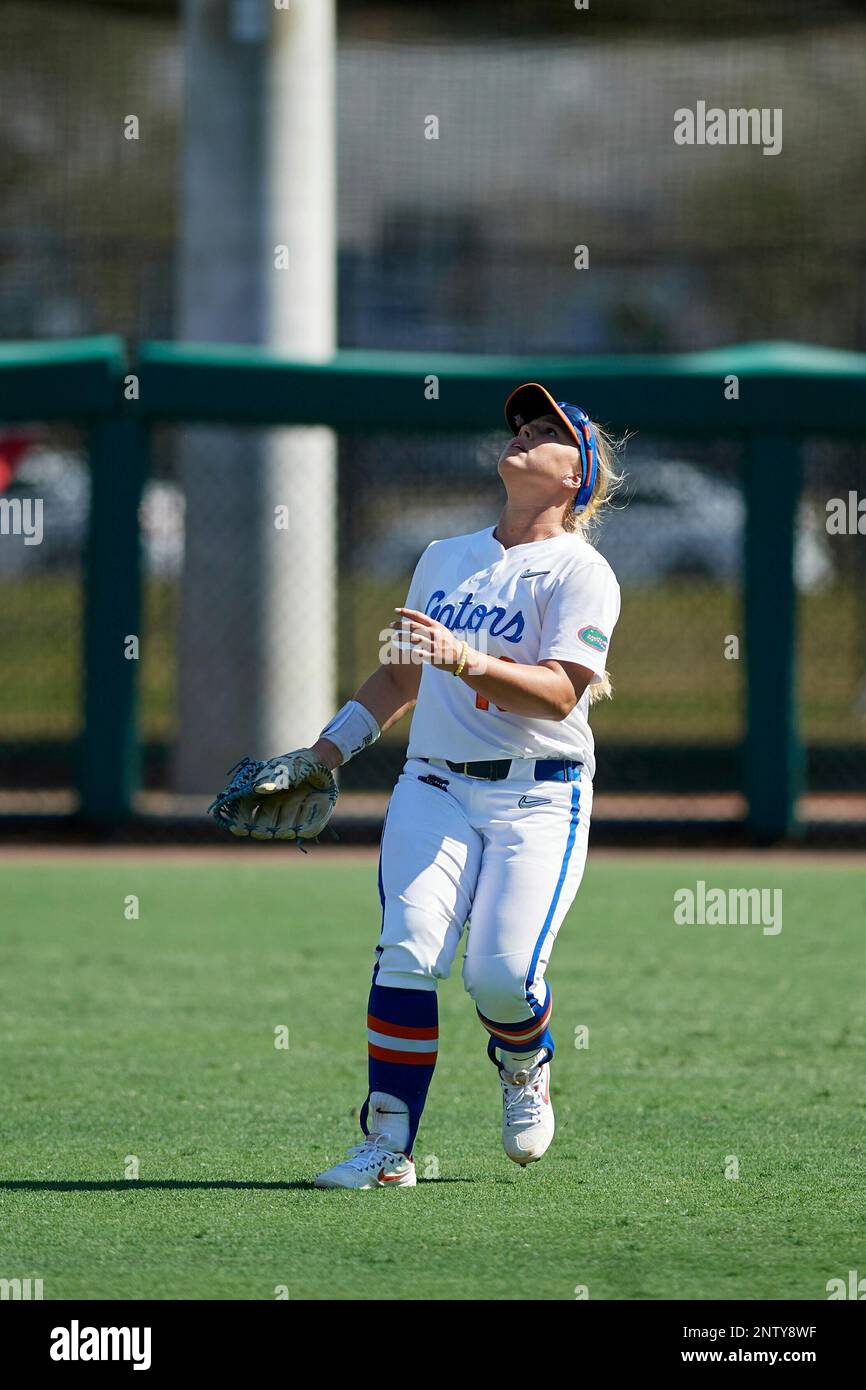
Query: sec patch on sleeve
{"x": 593, "y": 637}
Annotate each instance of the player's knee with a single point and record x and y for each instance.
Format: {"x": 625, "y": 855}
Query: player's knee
{"x": 415, "y": 950}
{"x": 401, "y": 967}
{"x": 497, "y": 984}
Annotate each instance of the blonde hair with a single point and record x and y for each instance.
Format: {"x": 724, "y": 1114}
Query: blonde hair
{"x": 607, "y": 484}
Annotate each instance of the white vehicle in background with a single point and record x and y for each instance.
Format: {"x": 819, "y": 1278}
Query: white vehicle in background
{"x": 670, "y": 520}
{"x": 392, "y": 551}
{"x": 61, "y": 481}
{"x": 161, "y": 517}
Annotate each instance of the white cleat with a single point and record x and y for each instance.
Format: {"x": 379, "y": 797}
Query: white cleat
{"x": 371, "y": 1164}
{"x": 527, "y": 1114}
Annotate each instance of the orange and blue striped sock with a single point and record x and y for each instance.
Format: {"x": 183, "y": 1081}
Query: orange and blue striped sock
{"x": 527, "y": 1039}
{"x": 402, "y": 1042}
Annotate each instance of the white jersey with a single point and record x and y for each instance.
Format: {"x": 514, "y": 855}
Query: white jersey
{"x": 555, "y": 599}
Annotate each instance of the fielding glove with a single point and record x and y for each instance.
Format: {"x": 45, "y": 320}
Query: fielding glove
{"x": 288, "y": 798}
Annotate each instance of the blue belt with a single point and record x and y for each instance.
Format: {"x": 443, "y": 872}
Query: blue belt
{"x": 546, "y": 769}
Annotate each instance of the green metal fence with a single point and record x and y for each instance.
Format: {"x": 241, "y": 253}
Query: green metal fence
{"x": 770, "y": 398}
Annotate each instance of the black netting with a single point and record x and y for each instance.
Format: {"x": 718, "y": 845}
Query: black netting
{"x": 44, "y": 509}
{"x": 554, "y": 131}
{"x": 832, "y": 619}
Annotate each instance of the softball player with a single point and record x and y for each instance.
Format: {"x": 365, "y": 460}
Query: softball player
{"x": 502, "y": 644}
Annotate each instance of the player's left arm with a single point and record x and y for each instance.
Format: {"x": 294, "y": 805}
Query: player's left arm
{"x": 579, "y": 617}
{"x": 549, "y": 690}
{"x": 545, "y": 690}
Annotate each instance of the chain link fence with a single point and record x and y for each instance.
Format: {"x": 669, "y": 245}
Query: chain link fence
{"x": 553, "y": 132}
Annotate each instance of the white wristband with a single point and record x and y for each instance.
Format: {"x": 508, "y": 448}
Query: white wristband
{"x": 352, "y": 729}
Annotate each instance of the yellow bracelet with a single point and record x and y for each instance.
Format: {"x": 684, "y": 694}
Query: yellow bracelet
{"x": 458, "y": 670}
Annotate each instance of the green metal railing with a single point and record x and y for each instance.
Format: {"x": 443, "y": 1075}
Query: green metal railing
{"x": 785, "y": 392}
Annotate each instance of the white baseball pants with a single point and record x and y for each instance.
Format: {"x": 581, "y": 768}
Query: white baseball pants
{"x": 509, "y": 857}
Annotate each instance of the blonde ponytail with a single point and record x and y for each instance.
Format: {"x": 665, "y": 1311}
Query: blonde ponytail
{"x": 608, "y": 482}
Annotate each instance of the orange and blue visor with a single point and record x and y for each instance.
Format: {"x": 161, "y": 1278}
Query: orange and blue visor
{"x": 528, "y": 402}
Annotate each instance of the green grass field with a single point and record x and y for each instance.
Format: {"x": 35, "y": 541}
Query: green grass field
{"x": 154, "y": 1039}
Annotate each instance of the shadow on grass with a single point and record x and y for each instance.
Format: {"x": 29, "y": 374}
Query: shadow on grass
{"x": 177, "y": 1184}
